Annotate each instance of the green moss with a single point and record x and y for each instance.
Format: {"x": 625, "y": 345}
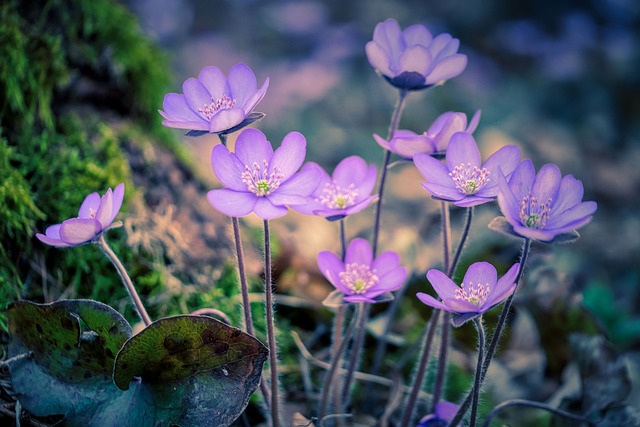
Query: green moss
{"x": 70, "y": 70}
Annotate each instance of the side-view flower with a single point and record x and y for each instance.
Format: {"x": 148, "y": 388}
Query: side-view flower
{"x": 360, "y": 277}
{"x": 259, "y": 179}
{"x": 443, "y": 414}
{"x": 435, "y": 140}
{"x": 464, "y": 179}
{"x": 480, "y": 290}
{"x": 412, "y": 59}
{"x": 94, "y": 217}
{"x": 213, "y": 103}
{"x": 544, "y": 205}
{"x": 344, "y": 193}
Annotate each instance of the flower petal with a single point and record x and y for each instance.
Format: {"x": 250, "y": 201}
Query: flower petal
{"x": 521, "y": 182}
{"x": 547, "y": 183}
{"x": 462, "y": 150}
{"x": 444, "y": 192}
{"x": 303, "y": 183}
{"x": 242, "y": 83}
{"x": 385, "y": 262}
{"x": 290, "y": 155}
{"x": 443, "y": 285}
{"x": 570, "y": 194}
{"x": 572, "y": 215}
{"x": 359, "y": 251}
{"x": 379, "y": 58}
{"x": 201, "y": 125}
{"x": 331, "y": 266}
{"x": 350, "y": 170}
{"x": 232, "y": 203}
{"x": 90, "y": 205}
{"x": 267, "y": 210}
{"x": 226, "y": 119}
{"x": 213, "y": 79}
{"x": 431, "y": 301}
{"x": 503, "y": 161}
{"x": 389, "y": 281}
{"x": 447, "y": 68}
{"x": 52, "y": 236}
{"x": 432, "y": 169}
{"x": 176, "y": 109}
{"x": 253, "y": 100}
{"x": 79, "y": 230}
{"x": 417, "y": 35}
{"x": 252, "y": 147}
{"x": 118, "y": 197}
{"x": 461, "y": 306}
{"x": 507, "y": 201}
{"x": 481, "y": 273}
{"x": 415, "y": 58}
{"x": 228, "y": 168}
{"x": 196, "y": 95}
{"x": 104, "y": 213}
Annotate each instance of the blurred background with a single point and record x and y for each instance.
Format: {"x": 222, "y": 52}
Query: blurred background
{"x": 559, "y": 79}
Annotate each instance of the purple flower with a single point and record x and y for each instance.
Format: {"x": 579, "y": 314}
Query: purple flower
{"x": 464, "y": 179}
{"x": 94, "y": 217}
{"x": 212, "y": 103}
{"x": 360, "y": 277}
{"x": 346, "y": 192}
{"x": 259, "y": 179}
{"x": 443, "y": 414}
{"x": 480, "y": 291}
{"x": 543, "y": 206}
{"x": 413, "y": 59}
{"x": 406, "y": 143}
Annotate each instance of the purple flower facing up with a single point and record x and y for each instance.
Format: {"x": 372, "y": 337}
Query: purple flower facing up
{"x": 212, "y": 103}
{"x": 412, "y": 59}
{"x": 346, "y": 192}
{"x": 464, "y": 179}
{"x": 94, "y": 217}
{"x": 361, "y": 278}
{"x": 543, "y": 206}
{"x": 259, "y": 179}
{"x": 480, "y": 291}
{"x": 406, "y": 143}
{"x": 443, "y": 414}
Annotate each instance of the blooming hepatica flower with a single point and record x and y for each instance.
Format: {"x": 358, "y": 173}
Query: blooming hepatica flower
{"x": 413, "y": 59}
{"x": 443, "y": 414}
{"x": 346, "y": 192}
{"x": 94, "y": 217}
{"x": 259, "y": 179}
{"x": 212, "y": 103}
{"x": 464, "y": 179}
{"x": 480, "y": 291}
{"x": 406, "y": 143}
{"x": 361, "y": 278}
{"x": 543, "y": 206}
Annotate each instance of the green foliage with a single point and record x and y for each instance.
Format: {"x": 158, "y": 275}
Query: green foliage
{"x": 69, "y": 71}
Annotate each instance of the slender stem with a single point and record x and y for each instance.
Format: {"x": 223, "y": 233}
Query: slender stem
{"x": 244, "y": 287}
{"x": 478, "y": 377}
{"x": 422, "y": 369}
{"x": 334, "y": 365}
{"x": 356, "y": 349}
{"x": 223, "y": 138}
{"x": 343, "y": 238}
{"x": 271, "y": 336}
{"x": 444, "y": 339}
{"x": 446, "y": 235}
{"x": 337, "y": 356}
{"x": 493, "y": 345}
{"x": 539, "y": 405}
{"x": 126, "y": 280}
{"x": 393, "y": 126}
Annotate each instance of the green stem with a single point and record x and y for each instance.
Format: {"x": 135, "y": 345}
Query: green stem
{"x": 539, "y": 405}
{"x": 393, "y": 126}
{"x": 271, "y": 336}
{"x": 493, "y": 345}
{"x": 478, "y": 377}
{"x": 335, "y": 363}
{"x": 422, "y": 369}
{"x": 126, "y": 280}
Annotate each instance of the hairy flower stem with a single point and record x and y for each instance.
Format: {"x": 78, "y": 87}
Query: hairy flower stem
{"x": 531, "y": 404}
{"x": 329, "y": 379}
{"x": 421, "y": 370}
{"x": 493, "y": 345}
{"x": 477, "y": 382}
{"x": 356, "y": 349}
{"x": 271, "y": 336}
{"x": 244, "y": 287}
{"x": 126, "y": 280}
{"x": 393, "y": 126}
{"x": 381, "y": 346}
{"x": 450, "y": 269}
